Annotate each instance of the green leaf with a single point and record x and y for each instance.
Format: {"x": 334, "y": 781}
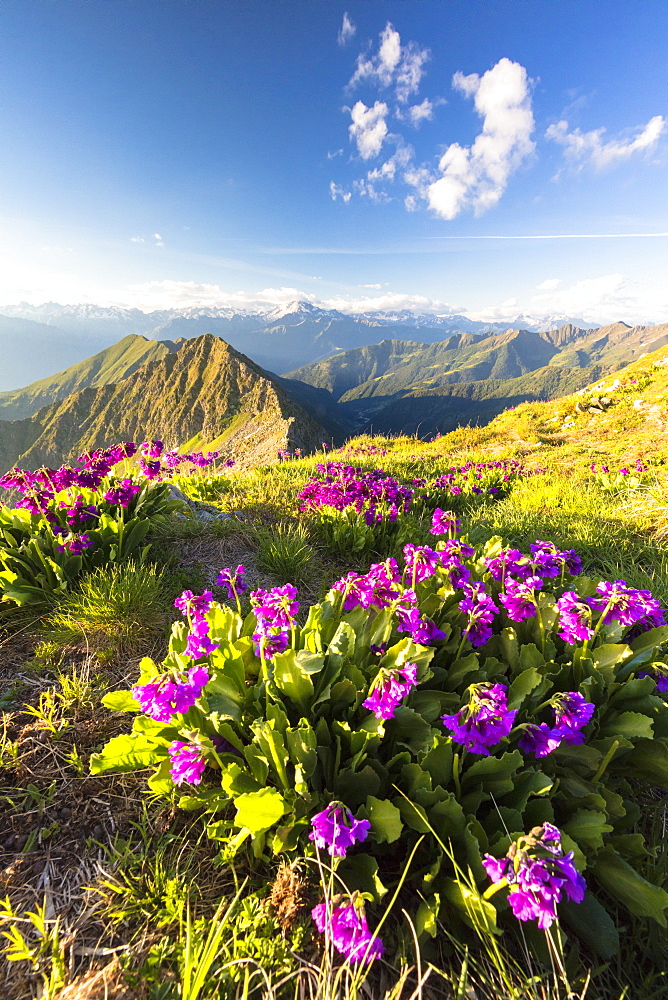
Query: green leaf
{"x": 121, "y": 701}
{"x": 610, "y": 654}
{"x": 127, "y": 753}
{"x": 475, "y": 911}
{"x": 426, "y": 918}
{"x": 360, "y": 872}
{"x": 258, "y": 811}
{"x": 649, "y": 761}
{"x": 625, "y": 884}
{"x": 292, "y": 674}
{"x": 593, "y": 924}
{"x": 385, "y": 820}
{"x": 587, "y": 826}
{"x": 494, "y": 774}
{"x": 632, "y": 725}
{"x": 523, "y": 685}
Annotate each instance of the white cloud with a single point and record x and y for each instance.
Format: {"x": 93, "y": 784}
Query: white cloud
{"x": 336, "y": 191}
{"x": 477, "y": 176}
{"x": 137, "y": 239}
{"x": 157, "y": 236}
{"x": 347, "y": 30}
{"x": 415, "y": 114}
{"x": 377, "y": 287}
{"x": 581, "y": 148}
{"x": 390, "y": 302}
{"x": 548, "y": 285}
{"x": 337, "y": 152}
{"x": 395, "y": 65}
{"x": 369, "y": 128}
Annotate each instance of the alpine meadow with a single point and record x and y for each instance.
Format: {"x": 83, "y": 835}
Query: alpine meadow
{"x": 333, "y": 501}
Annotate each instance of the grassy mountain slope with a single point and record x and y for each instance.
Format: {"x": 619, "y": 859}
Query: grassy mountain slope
{"x": 206, "y": 391}
{"x": 110, "y": 365}
{"x": 394, "y": 368}
{"x": 436, "y": 411}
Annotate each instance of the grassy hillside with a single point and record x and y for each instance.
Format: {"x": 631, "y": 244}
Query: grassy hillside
{"x": 205, "y": 389}
{"x": 111, "y": 365}
{"x": 147, "y": 901}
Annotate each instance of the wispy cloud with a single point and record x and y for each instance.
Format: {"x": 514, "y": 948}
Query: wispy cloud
{"x": 347, "y": 30}
{"x": 394, "y": 65}
{"x": 336, "y": 191}
{"x": 137, "y": 239}
{"x": 477, "y": 176}
{"x": 589, "y": 148}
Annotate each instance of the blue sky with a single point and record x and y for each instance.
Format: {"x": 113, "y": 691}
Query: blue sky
{"x": 495, "y": 157}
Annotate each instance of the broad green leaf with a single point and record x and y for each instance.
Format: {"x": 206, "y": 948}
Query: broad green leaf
{"x": 127, "y": 753}
{"x": 649, "y": 761}
{"x": 121, "y": 701}
{"x": 588, "y": 827}
{"x": 610, "y": 654}
{"x": 495, "y": 774}
{"x": 258, "y": 811}
{"x": 385, "y": 820}
{"x": 360, "y": 872}
{"x": 236, "y": 781}
{"x": 592, "y": 922}
{"x": 525, "y": 682}
{"x": 632, "y": 725}
{"x": 625, "y": 884}
{"x": 475, "y": 911}
{"x": 292, "y": 673}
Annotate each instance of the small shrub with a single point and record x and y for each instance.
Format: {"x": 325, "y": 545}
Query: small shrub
{"x": 285, "y": 551}
{"x": 120, "y": 607}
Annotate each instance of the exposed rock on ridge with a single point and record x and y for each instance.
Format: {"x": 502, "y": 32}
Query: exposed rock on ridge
{"x": 205, "y": 394}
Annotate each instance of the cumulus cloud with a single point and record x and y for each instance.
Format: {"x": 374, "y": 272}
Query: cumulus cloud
{"x": 548, "y": 285}
{"x": 477, "y": 176}
{"x": 347, "y": 30}
{"x": 137, "y": 239}
{"x": 415, "y": 114}
{"x": 582, "y": 148}
{"x": 394, "y": 65}
{"x": 369, "y": 128}
{"x": 390, "y": 302}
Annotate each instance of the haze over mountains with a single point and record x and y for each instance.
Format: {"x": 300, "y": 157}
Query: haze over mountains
{"x": 35, "y": 341}
{"x": 196, "y": 390}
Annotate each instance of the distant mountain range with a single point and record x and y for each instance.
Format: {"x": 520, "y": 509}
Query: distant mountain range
{"x": 37, "y": 340}
{"x": 200, "y": 391}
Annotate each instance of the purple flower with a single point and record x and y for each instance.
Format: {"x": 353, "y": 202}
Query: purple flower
{"x": 199, "y": 640}
{"x": 347, "y": 929}
{"x": 538, "y": 875}
{"x": 571, "y": 711}
{"x": 194, "y": 605}
{"x": 661, "y": 679}
{"x": 376, "y": 589}
{"x": 421, "y": 561}
{"x": 389, "y": 689}
{"x": 444, "y": 522}
{"x": 485, "y": 721}
{"x": 480, "y": 607}
{"x": 336, "y": 829}
{"x": 574, "y": 618}
{"x": 188, "y": 762}
{"x": 520, "y": 599}
{"x": 170, "y": 695}
{"x": 421, "y": 630}
{"x": 232, "y": 580}
{"x": 121, "y": 494}
{"x": 539, "y": 740}
{"x": 624, "y": 604}
{"x": 508, "y": 562}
